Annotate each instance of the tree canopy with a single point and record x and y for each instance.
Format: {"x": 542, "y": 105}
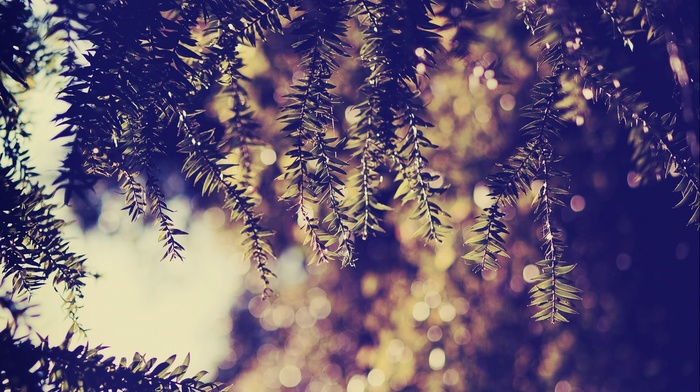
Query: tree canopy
{"x": 390, "y": 137}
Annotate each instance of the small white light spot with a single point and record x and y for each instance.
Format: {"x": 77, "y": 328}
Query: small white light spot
{"x": 290, "y": 376}
{"x": 95, "y": 150}
{"x": 447, "y": 312}
{"x": 420, "y": 53}
{"x": 481, "y": 196}
{"x": 357, "y": 383}
{"x": 580, "y": 120}
{"x": 492, "y": 84}
{"x": 421, "y": 311}
{"x": 530, "y": 272}
{"x": 482, "y": 114}
{"x": 434, "y": 333}
{"x": 436, "y": 359}
{"x": 489, "y": 275}
{"x": 507, "y": 102}
{"x": 563, "y": 386}
{"x": 376, "y": 377}
{"x": 478, "y": 71}
{"x": 587, "y": 93}
{"x": 578, "y": 203}
{"x": 352, "y": 115}
{"x": 451, "y": 377}
{"x": 268, "y": 156}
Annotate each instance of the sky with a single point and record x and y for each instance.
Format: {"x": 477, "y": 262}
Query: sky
{"x": 139, "y": 304}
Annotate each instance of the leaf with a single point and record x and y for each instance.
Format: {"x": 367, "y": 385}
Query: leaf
{"x": 562, "y": 270}
{"x": 568, "y": 295}
{"x": 563, "y": 287}
{"x": 543, "y": 314}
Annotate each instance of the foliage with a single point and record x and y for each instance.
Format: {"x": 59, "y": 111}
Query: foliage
{"x": 576, "y": 70}
{"x": 31, "y": 245}
{"x": 160, "y": 81}
{"x": 26, "y": 366}
{"x": 33, "y": 250}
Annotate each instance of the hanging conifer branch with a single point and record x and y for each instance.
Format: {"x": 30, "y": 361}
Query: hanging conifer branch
{"x": 106, "y": 88}
{"x": 160, "y": 210}
{"x": 465, "y": 17}
{"x": 320, "y": 32}
{"x": 32, "y": 247}
{"x": 513, "y": 178}
{"x": 366, "y": 145}
{"x": 257, "y": 16}
{"x": 133, "y": 194}
{"x": 170, "y": 56}
{"x": 648, "y": 16}
{"x": 488, "y": 240}
{"x": 147, "y": 149}
{"x": 553, "y": 292}
{"x": 206, "y": 161}
{"x": 330, "y": 185}
{"x": 206, "y": 166}
{"x": 142, "y": 139}
{"x": 373, "y": 135}
{"x": 534, "y": 160}
{"x": 393, "y": 67}
{"x": 622, "y": 24}
{"x": 516, "y": 175}
{"x": 415, "y": 181}
{"x": 241, "y": 129}
{"x": 364, "y": 204}
{"x": 659, "y": 150}
{"x": 561, "y": 41}
{"x": 654, "y": 19}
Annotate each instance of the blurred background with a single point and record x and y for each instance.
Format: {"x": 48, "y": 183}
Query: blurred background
{"x": 409, "y": 316}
